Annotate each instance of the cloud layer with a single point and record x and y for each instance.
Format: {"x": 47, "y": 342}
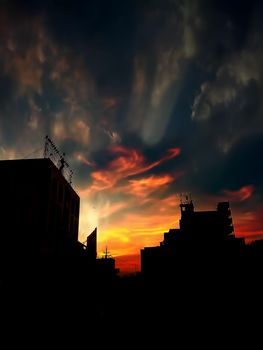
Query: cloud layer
{"x": 147, "y": 99}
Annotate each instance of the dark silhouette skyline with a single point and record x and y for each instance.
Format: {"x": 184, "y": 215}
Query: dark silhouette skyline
{"x": 46, "y": 207}
{"x": 199, "y": 269}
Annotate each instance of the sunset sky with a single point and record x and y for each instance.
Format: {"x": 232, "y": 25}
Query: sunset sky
{"x": 148, "y": 99}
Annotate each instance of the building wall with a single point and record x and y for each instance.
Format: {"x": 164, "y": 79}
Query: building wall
{"x": 62, "y": 209}
{"x": 38, "y": 209}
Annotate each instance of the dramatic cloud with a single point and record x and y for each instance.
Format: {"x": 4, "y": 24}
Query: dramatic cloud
{"x": 157, "y": 81}
{"x": 147, "y": 100}
{"x": 233, "y": 95}
{"x": 127, "y": 162}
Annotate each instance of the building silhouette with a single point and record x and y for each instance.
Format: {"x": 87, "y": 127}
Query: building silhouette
{"x": 203, "y": 237}
{"x": 202, "y": 264}
{"x": 39, "y": 210}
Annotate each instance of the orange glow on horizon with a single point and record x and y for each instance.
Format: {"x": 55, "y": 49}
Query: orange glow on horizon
{"x": 128, "y": 263}
{"x": 133, "y": 213}
{"x": 127, "y": 253}
{"x": 128, "y": 232}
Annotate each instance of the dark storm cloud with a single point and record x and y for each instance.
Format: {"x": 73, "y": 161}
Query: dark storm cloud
{"x": 227, "y": 107}
{"x": 243, "y": 163}
{"x": 49, "y": 88}
{"x": 132, "y": 52}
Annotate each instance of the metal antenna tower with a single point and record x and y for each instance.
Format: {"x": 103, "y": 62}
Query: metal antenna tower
{"x": 185, "y": 198}
{"x": 107, "y": 255}
{"x": 51, "y": 152}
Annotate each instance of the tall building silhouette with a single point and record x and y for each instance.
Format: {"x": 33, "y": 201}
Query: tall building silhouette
{"x": 203, "y": 237}
{"x": 39, "y": 210}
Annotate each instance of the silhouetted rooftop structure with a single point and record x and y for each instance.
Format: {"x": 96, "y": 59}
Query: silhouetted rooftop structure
{"x": 202, "y": 235}
{"x": 91, "y": 247}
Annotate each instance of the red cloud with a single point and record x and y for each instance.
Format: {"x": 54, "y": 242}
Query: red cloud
{"x": 101, "y": 181}
{"x": 249, "y": 224}
{"x": 131, "y": 162}
{"x": 242, "y": 194}
{"x": 128, "y": 162}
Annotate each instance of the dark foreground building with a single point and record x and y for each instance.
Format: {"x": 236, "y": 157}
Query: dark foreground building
{"x": 39, "y": 210}
{"x": 44, "y": 269}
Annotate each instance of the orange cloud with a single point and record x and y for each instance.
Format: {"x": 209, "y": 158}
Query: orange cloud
{"x": 101, "y": 181}
{"x": 128, "y": 162}
{"x": 131, "y": 162}
{"x": 145, "y": 186}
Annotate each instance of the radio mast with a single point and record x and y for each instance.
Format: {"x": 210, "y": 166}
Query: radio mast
{"x": 58, "y": 159}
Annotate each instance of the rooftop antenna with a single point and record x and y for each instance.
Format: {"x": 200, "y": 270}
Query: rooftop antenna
{"x": 51, "y": 152}
{"x": 186, "y": 203}
{"x": 185, "y": 198}
{"x": 107, "y": 255}
{"x": 181, "y": 198}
